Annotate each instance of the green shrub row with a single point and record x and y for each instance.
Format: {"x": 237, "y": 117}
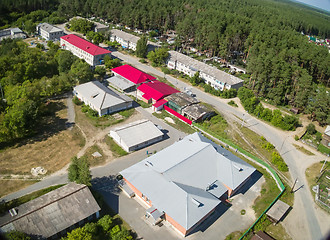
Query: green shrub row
{"x": 253, "y": 106}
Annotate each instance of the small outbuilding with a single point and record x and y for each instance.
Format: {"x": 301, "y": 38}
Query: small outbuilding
{"x": 326, "y": 137}
{"x": 277, "y": 211}
{"x": 136, "y": 135}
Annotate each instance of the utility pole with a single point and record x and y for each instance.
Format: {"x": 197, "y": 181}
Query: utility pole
{"x": 294, "y": 184}
{"x": 325, "y": 161}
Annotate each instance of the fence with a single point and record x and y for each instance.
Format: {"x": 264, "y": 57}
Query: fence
{"x": 260, "y": 162}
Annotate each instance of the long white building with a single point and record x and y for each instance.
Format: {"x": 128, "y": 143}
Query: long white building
{"x": 126, "y": 40}
{"x": 83, "y": 49}
{"x": 216, "y": 78}
{"x": 49, "y": 32}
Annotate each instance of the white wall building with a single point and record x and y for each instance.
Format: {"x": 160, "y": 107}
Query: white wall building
{"x": 136, "y": 135}
{"x": 102, "y": 99}
{"x": 12, "y": 33}
{"x": 83, "y": 49}
{"x": 49, "y": 32}
{"x": 211, "y": 75}
{"x": 125, "y": 39}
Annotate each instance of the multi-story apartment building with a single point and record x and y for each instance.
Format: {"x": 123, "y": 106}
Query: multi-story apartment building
{"x": 83, "y": 49}
{"x": 49, "y": 32}
{"x": 216, "y": 78}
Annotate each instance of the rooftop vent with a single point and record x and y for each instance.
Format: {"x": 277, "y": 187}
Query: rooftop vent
{"x": 13, "y": 212}
{"x": 238, "y": 168}
{"x": 196, "y": 202}
{"x": 95, "y": 95}
{"x": 150, "y": 163}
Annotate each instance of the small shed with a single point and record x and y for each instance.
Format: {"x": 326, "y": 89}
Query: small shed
{"x": 277, "y": 211}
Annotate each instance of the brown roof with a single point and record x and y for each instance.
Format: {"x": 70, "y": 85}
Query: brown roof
{"x": 261, "y": 236}
{"x": 52, "y": 212}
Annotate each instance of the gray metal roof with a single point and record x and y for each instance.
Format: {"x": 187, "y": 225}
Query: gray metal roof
{"x": 278, "y": 210}
{"x": 186, "y": 179}
{"x": 52, "y": 212}
{"x": 182, "y": 99}
{"x": 196, "y": 111}
{"x": 125, "y": 36}
{"x": 49, "y": 28}
{"x": 205, "y": 68}
{"x": 120, "y": 82}
{"x": 137, "y": 132}
{"x": 101, "y": 96}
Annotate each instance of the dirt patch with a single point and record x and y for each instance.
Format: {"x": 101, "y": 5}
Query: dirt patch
{"x": 9, "y": 186}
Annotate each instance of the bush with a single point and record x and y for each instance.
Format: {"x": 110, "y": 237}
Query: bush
{"x": 311, "y": 129}
{"x": 142, "y": 60}
{"x": 278, "y": 161}
{"x": 296, "y": 138}
{"x": 232, "y": 103}
{"x": 165, "y": 70}
{"x": 89, "y": 111}
{"x": 76, "y": 101}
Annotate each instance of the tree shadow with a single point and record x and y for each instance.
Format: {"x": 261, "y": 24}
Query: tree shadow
{"x": 108, "y": 187}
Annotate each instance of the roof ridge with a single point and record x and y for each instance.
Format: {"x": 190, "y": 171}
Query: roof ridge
{"x": 47, "y": 204}
{"x": 207, "y": 145}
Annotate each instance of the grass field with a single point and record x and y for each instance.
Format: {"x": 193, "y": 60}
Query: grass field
{"x": 52, "y": 148}
{"x": 9, "y": 186}
{"x": 95, "y": 161}
{"x": 114, "y": 147}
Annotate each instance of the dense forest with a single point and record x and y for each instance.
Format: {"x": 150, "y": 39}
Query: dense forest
{"x": 262, "y": 35}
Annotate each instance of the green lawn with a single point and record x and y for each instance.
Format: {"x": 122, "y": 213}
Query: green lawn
{"x": 114, "y": 147}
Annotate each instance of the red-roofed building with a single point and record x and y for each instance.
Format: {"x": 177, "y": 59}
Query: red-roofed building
{"x": 132, "y": 74}
{"x": 83, "y": 49}
{"x": 152, "y": 92}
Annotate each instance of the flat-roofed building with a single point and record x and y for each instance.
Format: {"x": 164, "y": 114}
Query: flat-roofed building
{"x": 126, "y": 40}
{"x": 211, "y": 75}
{"x": 49, "y": 32}
{"x": 136, "y": 135}
{"x": 101, "y": 98}
{"x": 185, "y": 181}
{"x": 12, "y": 33}
{"x": 92, "y": 54}
{"x": 51, "y": 215}
{"x": 121, "y": 84}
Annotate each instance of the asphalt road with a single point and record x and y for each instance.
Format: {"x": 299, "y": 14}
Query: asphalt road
{"x": 302, "y": 222}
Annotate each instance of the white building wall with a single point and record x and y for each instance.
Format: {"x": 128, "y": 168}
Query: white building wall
{"x": 89, "y": 58}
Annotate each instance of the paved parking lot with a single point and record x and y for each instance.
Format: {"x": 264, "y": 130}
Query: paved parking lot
{"x": 223, "y": 221}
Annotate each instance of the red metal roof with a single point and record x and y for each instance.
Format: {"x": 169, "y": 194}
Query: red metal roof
{"x": 84, "y": 45}
{"x": 156, "y": 90}
{"x": 132, "y": 74}
{"x": 159, "y": 103}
